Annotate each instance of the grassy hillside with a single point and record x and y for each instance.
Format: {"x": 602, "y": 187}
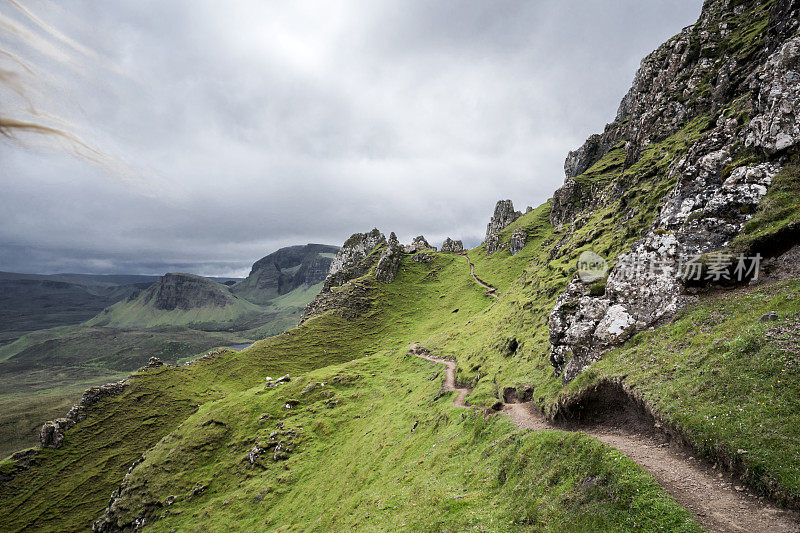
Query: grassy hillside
{"x": 715, "y": 360}
{"x": 419, "y": 303}
{"x": 691, "y": 370}
{"x": 44, "y": 373}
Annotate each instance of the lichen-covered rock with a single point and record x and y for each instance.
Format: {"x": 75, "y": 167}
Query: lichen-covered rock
{"x": 449, "y": 245}
{"x": 492, "y": 244}
{"x": 616, "y": 326}
{"x": 357, "y": 256}
{"x": 717, "y": 185}
{"x": 504, "y": 215}
{"x": 345, "y": 265}
{"x": 417, "y": 245}
{"x": 386, "y": 269}
{"x": 52, "y": 433}
{"x": 776, "y": 89}
{"x": 517, "y": 242}
{"x": 92, "y": 396}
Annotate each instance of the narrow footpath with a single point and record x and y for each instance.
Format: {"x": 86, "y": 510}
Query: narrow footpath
{"x": 718, "y": 502}
{"x": 490, "y": 291}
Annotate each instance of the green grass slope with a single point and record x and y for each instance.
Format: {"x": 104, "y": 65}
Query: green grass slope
{"x": 140, "y": 313}
{"x": 44, "y": 372}
{"x": 423, "y": 301}
{"x": 372, "y": 445}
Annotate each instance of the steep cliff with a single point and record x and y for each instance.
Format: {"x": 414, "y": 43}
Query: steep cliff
{"x": 284, "y": 271}
{"x": 731, "y": 83}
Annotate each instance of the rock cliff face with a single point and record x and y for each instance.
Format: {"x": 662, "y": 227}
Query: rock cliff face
{"x": 186, "y": 291}
{"x": 504, "y": 215}
{"x": 358, "y": 255}
{"x": 285, "y": 270}
{"x": 386, "y": 269}
{"x": 349, "y": 262}
{"x": 745, "y": 88}
{"x": 517, "y": 242}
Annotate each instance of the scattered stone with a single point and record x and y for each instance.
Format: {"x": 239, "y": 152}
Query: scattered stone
{"x": 276, "y": 382}
{"x": 199, "y": 488}
{"x": 772, "y": 316}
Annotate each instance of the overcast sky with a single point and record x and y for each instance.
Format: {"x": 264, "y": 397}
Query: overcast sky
{"x": 245, "y": 126}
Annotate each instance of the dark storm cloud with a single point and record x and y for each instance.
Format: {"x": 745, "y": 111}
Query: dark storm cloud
{"x": 261, "y": 124}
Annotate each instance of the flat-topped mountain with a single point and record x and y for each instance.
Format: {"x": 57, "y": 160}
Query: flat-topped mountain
{"x": 285, "y": 270}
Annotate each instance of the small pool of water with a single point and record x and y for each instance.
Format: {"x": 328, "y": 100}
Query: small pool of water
{"x": 240, "y": 347}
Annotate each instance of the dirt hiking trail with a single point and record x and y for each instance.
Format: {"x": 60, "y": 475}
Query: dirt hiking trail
{"x": 490, "y": 291}
{"x": 718, "y": 502}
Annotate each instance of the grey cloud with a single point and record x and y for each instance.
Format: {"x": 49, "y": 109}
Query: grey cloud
{"x": 262, "y": 124}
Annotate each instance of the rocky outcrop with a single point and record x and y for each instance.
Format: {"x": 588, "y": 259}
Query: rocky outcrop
{"x": 386, "y": 269}
{"x": 716, "y": 189}
{"x": 93, "y": 395}
{"x": 492, "y": 244}
{"x": 52, "y": 433}
{"x": 153, "y": 362}
{"x": 284, "y": 271}
{"x": 504, "y": 215}
{"x": 356, "y": 257}
{"x": 352, "y": 260}
{"x": 517, "y": 242}
{"x": 449, "y": 245}
{"x": 579, "y": 161}
{"x": 417, "y": 245}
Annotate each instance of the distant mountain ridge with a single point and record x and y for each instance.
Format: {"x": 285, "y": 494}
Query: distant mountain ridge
{"x": 30, "y": 302}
